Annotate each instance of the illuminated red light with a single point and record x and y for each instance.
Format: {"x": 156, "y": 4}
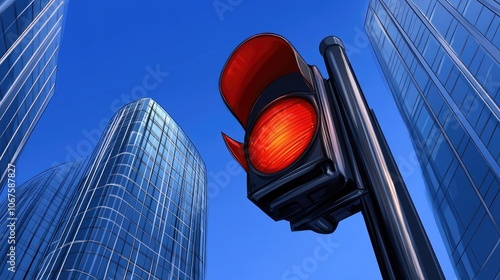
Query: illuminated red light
{"x": 281, "y": 134}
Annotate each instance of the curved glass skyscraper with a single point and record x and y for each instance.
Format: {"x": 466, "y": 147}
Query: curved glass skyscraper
{"x": 30, "y": 32}
{"x": 441, "y": 60}
{"x": 140, "y": 211}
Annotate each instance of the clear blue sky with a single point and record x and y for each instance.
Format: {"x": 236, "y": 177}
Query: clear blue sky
{"x": 107, "y": 49}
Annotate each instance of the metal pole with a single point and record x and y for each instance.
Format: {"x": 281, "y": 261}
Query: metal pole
{"x": 399, "y": 240}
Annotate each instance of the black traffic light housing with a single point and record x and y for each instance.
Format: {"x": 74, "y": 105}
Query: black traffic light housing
{"x": 344, "y": 165}
{"x": 313, "y": 192}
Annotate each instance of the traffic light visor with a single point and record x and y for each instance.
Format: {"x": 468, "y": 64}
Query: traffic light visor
{"x": 253, "y": 65}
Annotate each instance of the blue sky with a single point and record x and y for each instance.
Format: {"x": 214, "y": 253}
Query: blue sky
{"x": 110, "y": 47}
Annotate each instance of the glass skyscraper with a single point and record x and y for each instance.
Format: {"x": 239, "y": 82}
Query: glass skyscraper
{"x": 441, "y": 61}
{"x": 140, "y": 210}
{"x": 42, "y": 201}
{"x": 30, "y": 32}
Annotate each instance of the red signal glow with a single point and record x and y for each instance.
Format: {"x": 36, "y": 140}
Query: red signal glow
{"x": 281, "y": 134}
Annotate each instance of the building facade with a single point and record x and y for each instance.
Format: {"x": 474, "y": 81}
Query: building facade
{"x": 41, "y": 201}
{"x": 441, "y": 61}
{"x": 30, "y": 32}
{"x": 140, "y": 210}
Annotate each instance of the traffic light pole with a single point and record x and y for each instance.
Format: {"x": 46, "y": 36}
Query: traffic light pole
{"x": 399, "y": 240}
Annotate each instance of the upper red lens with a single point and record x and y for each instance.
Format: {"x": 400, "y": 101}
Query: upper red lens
{"x": 281, "y": 134}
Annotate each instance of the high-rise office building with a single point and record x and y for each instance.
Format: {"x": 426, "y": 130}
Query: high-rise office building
{"x": 30, "y": 32}
{"x": 441, "y": 61}
{"x": 140, "y": 210}
{"x": 41, "y": 203}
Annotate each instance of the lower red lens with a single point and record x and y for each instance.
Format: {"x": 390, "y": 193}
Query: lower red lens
{"x": 281, "y": 134}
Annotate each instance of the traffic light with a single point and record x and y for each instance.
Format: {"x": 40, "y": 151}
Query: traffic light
{"x": 291, "y": 151}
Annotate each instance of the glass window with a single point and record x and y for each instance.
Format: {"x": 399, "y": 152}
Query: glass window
{"x": 8, "y": 16}
{"x": 475, "y": 164}
{"x": 452, "y": 79}
{"x": 477, "y": 106}
{"x": 454, "y": 131}
{"x": 494, "y": 145}
{"x": 458, "y": 39}
{"x": 424, "y": 123}
{"x": 454, "y": 3}
{"x": 469, "y": 50}
{"x": 442, "y": 156}
{"x": 472, "y": 11}
{"x": 444, "y": 68}
{"x": 469, "y": 261}
{"x": 488, "y": 75}
{"x": 477, "y": 60}
{"x": 462, "y": 194}
{"x": 490, "y": 32}
{"x": 438, "y": 60}
{"x": 454, "y": 228}
{"x": 460, "y": 90}
{"x": 484, "y": 20}
{"x": 422, "y": 37}
{"x": 451, "y": 31}
{"x": 441, "y": 19}
{"x": 421, "y": 77}
{"x": 484, "y": 239}
{"x": 496, "y": 33}
{"x": 433, "y": 137}
{"x": 434, "y": 98}
{"x": 491, "y": 124}
{"x": 495, "y": 207}
{"x": 450, "y": 172}
{"x": 423, "y": 5}
{"x": 411, "y": 97}
{"x": 485, "y": 115}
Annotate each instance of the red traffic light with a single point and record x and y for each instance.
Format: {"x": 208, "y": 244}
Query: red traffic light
{"x": 290, "y": 150}
{"x": 281, "y": 134}
{"x": 253, "y": 65}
